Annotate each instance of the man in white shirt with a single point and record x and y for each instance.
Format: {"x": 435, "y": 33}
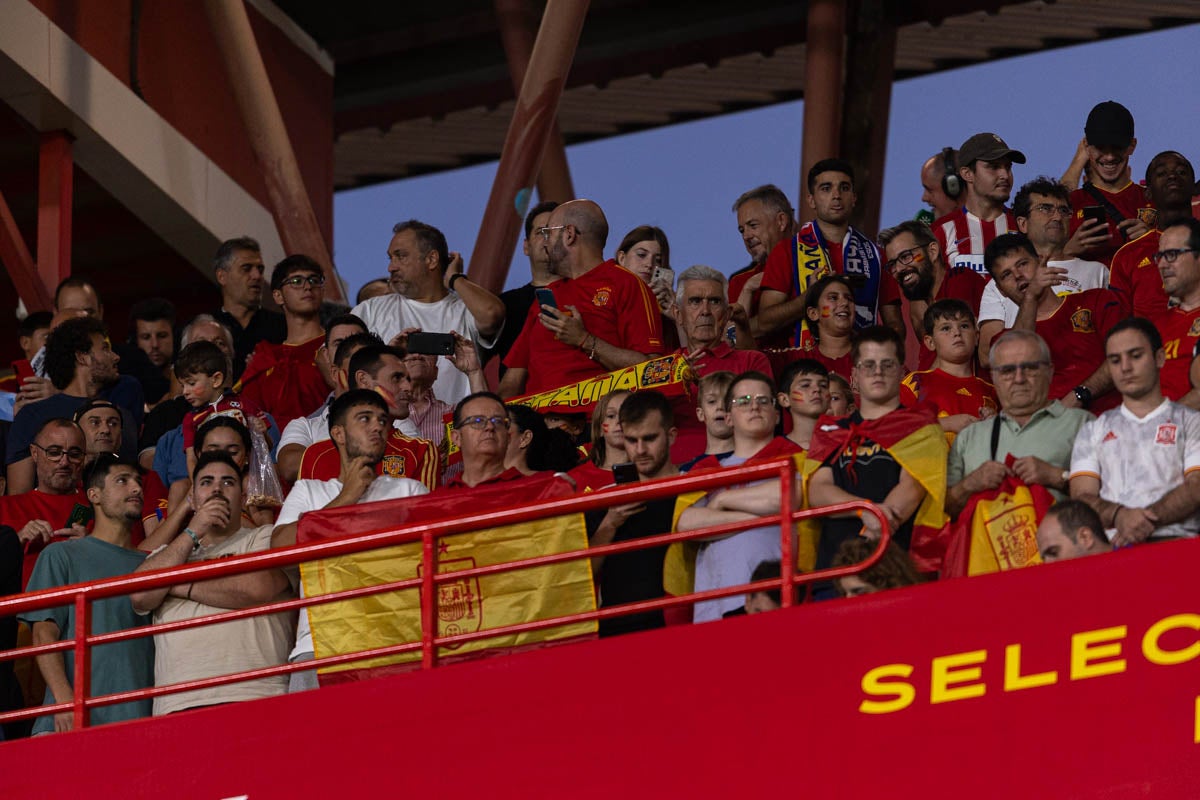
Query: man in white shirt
{"x": 1138, "y": 465}
{"x": 359, "y": 424}
{"x": 432, "y": 294}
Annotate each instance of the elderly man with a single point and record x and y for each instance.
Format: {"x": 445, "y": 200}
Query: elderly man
{"x": 603, "y": 317}
{"x": 1036, "y": 431}
{"x": 764, "y": 218}
{"x": 432, "y": 294}
{"x": 1071, "y": 529}
{"x": 238, "y": 267}
{"x": 1138, "y": 465}
{"x": 216, "y": 531}
{"x": 703, "y": 313}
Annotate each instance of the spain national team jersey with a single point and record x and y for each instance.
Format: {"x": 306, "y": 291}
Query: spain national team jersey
{"x": 1180, "y": 332}
{"x": 947, "y": 395}
{"x": 1127, "y": 201}
{"x": 958, "y": 284}
{"x": 964, "y": 236}
{"x": 1136, "y": 280}
{"x": 405, "y": 457}
{"x": 1075, "y": 333}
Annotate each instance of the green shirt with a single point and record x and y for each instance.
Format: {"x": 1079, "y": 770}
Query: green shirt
{"x": 1049, "y": 434}
{"x": 116, "y": 667}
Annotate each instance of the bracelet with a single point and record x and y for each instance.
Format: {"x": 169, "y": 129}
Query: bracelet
{"x": 1116, "y": 511}
{"x": 453, "y": 278}
{"x": 592, "y": 354}
{"x": 195, "y": 538}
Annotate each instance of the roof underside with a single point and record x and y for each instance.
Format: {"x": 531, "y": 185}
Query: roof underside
{"x": 429, "y": 89}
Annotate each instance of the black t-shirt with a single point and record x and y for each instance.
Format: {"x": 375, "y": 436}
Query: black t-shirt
{"x": 516, "y": 308}
{"x": 166, "y": 416}
{"x": 637, "y": 575}
{"x": 875, "y": 474}
{"x": 264, "y": 325}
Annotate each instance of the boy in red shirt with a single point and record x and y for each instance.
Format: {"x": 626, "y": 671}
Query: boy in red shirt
{"x": 950, "y": 387}
{"x": 204, "y": 374}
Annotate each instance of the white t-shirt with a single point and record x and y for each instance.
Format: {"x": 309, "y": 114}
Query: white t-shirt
{"x": 306, "y": 431}
{"x": 1140, "y": 460}
{"x": 386, "y": 316}
{"x": 1081, "y": 276}
{"x": 309, "y": 495}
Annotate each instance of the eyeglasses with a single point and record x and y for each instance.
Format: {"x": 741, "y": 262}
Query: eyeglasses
{"x": 886, "y": 367}
{"x": 545, "y": 232}
{"x": 479, "y": 423}
{"x": 55, "y": 453}
{"x": 760, "y": 400}
{"x": 1169, "y": 256}
{"x": 300, "y": 280}
{"x": 903, "y": 257}
{"x": 1009, "y": 371}
{"x": 1049, "y": 209}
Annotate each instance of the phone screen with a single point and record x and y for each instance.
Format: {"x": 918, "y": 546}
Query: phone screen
{"x": 625, "y": 473}
{"x": 545, "y": 298}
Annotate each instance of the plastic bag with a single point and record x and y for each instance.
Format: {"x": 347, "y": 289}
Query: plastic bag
{"x": 263, "y": 488}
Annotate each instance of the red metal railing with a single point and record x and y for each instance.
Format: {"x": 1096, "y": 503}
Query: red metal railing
{"x": 83, "y": 595}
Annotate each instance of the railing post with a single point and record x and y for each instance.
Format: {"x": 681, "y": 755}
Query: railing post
{"x": 787, "y": 567}
{"x": 83, "y": 663}
{"x": 428, "y": 602}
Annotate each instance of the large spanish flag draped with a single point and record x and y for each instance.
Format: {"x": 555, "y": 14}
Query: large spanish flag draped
{"x": 997, "y": 530}
{"x": 912, "y": 437}
{"x": 464, "y": 605}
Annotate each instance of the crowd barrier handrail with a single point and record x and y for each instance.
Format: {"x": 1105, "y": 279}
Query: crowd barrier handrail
{"x": 82, "y": 595}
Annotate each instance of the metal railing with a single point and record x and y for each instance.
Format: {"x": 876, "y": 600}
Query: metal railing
{"x": 83, "y": 595}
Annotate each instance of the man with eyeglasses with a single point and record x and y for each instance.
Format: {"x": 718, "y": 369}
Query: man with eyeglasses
{"x": 57, "y": 507}
{"x": 1035, "y": 430}
{"x": 1178, "y": 262}
{"x": 1170, "y": 182}
{"x": 914, "y": 258}
{"x": 885, "y": 453}
{"x": 284, "y": 379}
{"x": 431, "y": 292}
{"x": 238, "y": 268}
{"x": 1073, "y": 325}
{"x": 1043, "y": 214}
{"x": 603, "y": 318}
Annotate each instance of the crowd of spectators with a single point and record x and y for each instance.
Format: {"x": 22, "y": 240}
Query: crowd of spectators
{"x": 1055, "y": 343}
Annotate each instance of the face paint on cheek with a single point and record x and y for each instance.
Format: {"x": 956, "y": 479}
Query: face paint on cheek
{"x": 826, "y": 312}
{"x": 918, "y": 257}
{"x": 604, "y": 427}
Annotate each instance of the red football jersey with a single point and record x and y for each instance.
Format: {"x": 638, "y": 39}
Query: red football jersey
{"x": 1128, "y": 200}
{"x": 1180, "y": 331}
{"x": 1135, "y": 278}
{"x": 283, "y": 380}
{"x": 18, "y": 509}
{"x": 1075, "y": 333}
{"x": 964, "y": 236}
{"x": 404, "y": 458}
{"x": 614, "y": 305}
{"x": 947, "y": 395}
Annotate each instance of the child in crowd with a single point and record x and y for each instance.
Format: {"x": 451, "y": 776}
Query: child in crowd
{"x": 841, "y": 399}
{"x": 950, "y": 388}
{"x": 710, "y": 410}
{"x": 804, "y": 396}
{"x": 204, "y": 376}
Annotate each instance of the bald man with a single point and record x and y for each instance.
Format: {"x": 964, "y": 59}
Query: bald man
{"x": 935, "y": 168}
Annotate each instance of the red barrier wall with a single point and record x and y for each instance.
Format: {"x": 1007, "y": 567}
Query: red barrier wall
{"x": 740, "y": 708}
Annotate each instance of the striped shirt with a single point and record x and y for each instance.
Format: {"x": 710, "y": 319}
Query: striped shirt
{"x": 964, "y": 236}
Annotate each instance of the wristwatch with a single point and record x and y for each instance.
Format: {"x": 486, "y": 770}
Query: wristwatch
{"x": 1083, "y": 394}
{"x": 1066, "y": 478}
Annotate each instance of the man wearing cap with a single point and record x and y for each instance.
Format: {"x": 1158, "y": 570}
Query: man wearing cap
{"x": 1108, "y": 142}
{"x": 985, "y": 167}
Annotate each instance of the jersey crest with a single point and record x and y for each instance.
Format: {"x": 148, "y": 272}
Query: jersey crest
{"x": 1081, "y": 321}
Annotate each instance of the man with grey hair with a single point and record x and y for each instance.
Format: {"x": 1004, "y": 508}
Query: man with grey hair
{"x": 765, "y": 218}
{"x": 1038, "y": 432}
{"x": 238, "y": 268}
{"x": 703, "y": 313}
{"x": 432, "y": 294}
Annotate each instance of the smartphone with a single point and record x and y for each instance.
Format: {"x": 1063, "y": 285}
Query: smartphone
{"x": 1095, "y": 212}
{"x": 663, "y": 275}
{"x": 625, "y": 473}
{"x": 80, "y": 515}
{"x": 545, "y": 297}
{"x": 433, "y": 344}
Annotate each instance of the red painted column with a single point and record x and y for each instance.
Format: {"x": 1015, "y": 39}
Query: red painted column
{"x": 55, "y": 196}
{"x": 823, "y": 77}
{"x": 15, "y": 257}
{"x": 521, "y": 158}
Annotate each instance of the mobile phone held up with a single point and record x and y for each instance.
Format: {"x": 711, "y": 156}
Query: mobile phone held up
{"x": 1095, "y": 212}
{"x": 625, "y": 473}
{"x": 545, "y": 298}
{"x": 432, "y": 344}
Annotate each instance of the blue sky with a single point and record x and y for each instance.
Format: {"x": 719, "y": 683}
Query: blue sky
{"x": 685, "y": 177}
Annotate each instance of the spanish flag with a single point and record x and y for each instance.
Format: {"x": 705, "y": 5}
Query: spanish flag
{"x": 464, "y": 605}
{"x": 912, "y": 437}
{"x": 997, "y": 530}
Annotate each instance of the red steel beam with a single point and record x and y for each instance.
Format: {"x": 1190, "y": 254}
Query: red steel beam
{"x": 15, "y": 257}
{"x": 525, "y": 144}
{"x": 268, "y": 137}
{"x": 554, "y": 178}
{"x": 823, "y": 78}
{"x": 55, "y": 197}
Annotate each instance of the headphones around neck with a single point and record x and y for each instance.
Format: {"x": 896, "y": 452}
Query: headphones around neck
{"x": 952, "y": 184}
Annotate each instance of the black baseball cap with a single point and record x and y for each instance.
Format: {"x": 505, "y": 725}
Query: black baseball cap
{"x": 1109, "y": 124}
{"x": 987, "y": 147}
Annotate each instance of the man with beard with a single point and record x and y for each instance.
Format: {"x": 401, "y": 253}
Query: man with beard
{"x": 114, "y": 489}
{"x": 764, "y": 218}
{"x": 359, "y": 425}
{"x": 238, "y": 267}
{"x": 1043, "y": 214}
{"x": 1170, "y": 181}
{"x": 914, "y": 258}
{"x": 603, "y": 318}
{"x": 147, "y": 356}
{"x": 80, "y": 362}
{"x": 1178, "y": 248}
